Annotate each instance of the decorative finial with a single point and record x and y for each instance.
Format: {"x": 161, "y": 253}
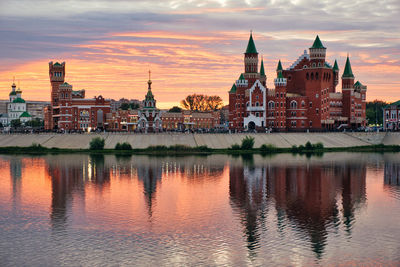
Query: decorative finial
{"x": 251, "y": 31}
{"x": 149, "y": 74}
{"x": 13, "y": 79}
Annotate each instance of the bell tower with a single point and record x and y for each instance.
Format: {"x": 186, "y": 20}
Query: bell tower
{"x": 57, "y": 75}
{"x": 251, "y": 57}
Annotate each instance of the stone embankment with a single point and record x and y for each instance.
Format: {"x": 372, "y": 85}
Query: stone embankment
{"x": 283, "y": 140}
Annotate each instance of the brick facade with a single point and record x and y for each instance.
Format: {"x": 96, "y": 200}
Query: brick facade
{"x": 304, "y": 96}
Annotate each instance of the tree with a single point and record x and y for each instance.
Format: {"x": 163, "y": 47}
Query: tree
{"x": 97, "y": 143}
{"x": 175, "y": 109}
{"x": 134, "y": 105}
{"x": 374, "y": 111}
{"x": 200, "y": 102}
{"x": 124, "y": 106}
{"x": 16, "y": 123}
{"x": 35, "y": 123}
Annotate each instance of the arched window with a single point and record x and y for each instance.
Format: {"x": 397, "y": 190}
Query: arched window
{"x": 316, "y": 76}
{"x": 313, "y": 65}
{"x": 257, "y": 104}
{"x": 271, "y": 105}
{"x": 293, "y": 104}
{"x": 303, "y": 104}
{"x": 307, "y": 76}
{"x": 312, "y": 75}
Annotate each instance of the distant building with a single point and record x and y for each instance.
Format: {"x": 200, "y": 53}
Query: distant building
{"x": 116, "y": 104}
{"x": 70, "y": 110}
{"x": 16, "y": 108}
{"x": 391, "y": 116}
{"x": 304, "y": 96}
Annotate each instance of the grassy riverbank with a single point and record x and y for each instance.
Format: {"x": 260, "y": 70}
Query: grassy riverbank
{"x": 201, "y": 150}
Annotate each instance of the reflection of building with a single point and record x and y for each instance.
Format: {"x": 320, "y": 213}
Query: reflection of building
{"x": 307, "y": 196}
{"x": 391, "y": 116}
{"x": 247, "y": 189}
{"x": 392, "y": 174}
{"x": 69, "y": 109}
{"x": 68, "y": 178}
{"x": 304, "y": 96}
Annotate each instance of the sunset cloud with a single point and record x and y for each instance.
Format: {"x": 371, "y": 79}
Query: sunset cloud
{"x": 191, "y": 46}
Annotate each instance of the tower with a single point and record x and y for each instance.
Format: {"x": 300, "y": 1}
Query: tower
{"x": 57, "y": 75}
{"x": 347, "y": 90}
{"x": 280, "y": 100}
{"x": 317, "y": 53}
{"x": 335, "y": 73}
{"x": 13, "y": 93}
{"x": 263, "y": 77}
{"x": 251, "y": 57}
{"x": 149, "y": 101}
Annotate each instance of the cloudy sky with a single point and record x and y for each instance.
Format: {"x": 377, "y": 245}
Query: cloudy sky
{"x": 191, "y": 46}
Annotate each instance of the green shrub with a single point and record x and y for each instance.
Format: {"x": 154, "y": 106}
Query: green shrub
{"x": 294, "y": 149}
{"x": 235, "y": 147}
{"x": 157, "y": 148}
{"x": 247, "y": 143}
{"x": 319, "y": 146}
{"x": 267, "y": 148}
{"x": 180, "y": 148}
{"x": 97, "y": 143}
{"x": 203, "y": 148}
{"x": 309, "y": 146}
{"x": 123, "y": 146}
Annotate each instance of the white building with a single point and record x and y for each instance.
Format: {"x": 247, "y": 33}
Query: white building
{"x": 16, "y": 108}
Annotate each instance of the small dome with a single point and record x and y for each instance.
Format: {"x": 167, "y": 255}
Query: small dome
{"x": 19, "y": 100}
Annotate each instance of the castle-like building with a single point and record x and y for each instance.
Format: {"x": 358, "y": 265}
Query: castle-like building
{"x": 304, "y": 96}
{"x": 69, "y": 109}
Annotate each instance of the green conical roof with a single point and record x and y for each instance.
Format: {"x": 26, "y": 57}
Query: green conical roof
{"x": 280, "y": 75}
{"x": 335, "y": 66}
{"x": 251, "y": 47}
{"x": 279, "y": 68}
{"x": 317, "y": 43}
{"x": 57, "y": 64}
{"x": 262, "y": 71}
{"x": 357, "y": 84}
{"x": 233, "y": 89}
{"x": 241, "y": 77}
{"x": 25, "y": 114}
{"x": 348, "y": 73}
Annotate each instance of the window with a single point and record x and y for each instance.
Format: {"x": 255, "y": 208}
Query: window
{"x": 316, "y": 95}
{"x": 312, "y": 75}
{"x": 310, "y": 123}
{"x": 317, "y": 111}
{"x": 313, "y": 65}
{"x": 293, "y": 104}
{"x": 271, "y": 105}
{"x": 316, "y": 76}
{"x": 303, "y": 104}
{"x": 257, "y": 104}
{"x": 307, "y": 76}
{"x": 310, "y": 104}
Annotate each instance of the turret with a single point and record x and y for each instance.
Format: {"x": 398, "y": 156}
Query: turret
{"x": 336, "y": 72}
{"x": 280, "y": 99}
{"x": 251, "y": 57}
{"x": 263, "y": 77}
{"x": 317, "y": 53}
{"x": 347, "y": 77}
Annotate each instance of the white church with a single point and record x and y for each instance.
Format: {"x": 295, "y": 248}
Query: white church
{"x": 16, "y": 108}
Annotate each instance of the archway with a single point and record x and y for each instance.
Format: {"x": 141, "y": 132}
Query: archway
{"x": 252, "y": 125}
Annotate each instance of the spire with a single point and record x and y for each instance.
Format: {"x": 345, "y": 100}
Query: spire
{"x": 348, "y": 73}
{"x": 233, "y": 89}
{"x": 262, "y": 71}
{"x": 335, "y": 66}
{"x": 279, "y": 68}
{"x": 251, "y": 47}
{"x": 317, "y": 43}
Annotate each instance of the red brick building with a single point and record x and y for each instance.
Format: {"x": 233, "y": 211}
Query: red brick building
{"x": 70, "y": 110}
{"x": 304, "y": 96}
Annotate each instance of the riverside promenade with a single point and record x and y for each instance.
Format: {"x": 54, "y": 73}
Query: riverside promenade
{"x": 216, "y": 141}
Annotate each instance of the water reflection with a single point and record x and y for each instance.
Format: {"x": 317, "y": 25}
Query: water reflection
{"x": 392, "y": 178}
{"x": 307, "y": 196}
{"x": 215, "y": 210}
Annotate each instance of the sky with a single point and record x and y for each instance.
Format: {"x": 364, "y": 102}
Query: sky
{"x": 191, "y": 46}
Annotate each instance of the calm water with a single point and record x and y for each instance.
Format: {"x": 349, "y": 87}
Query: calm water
{"x": 341, "y": 208}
